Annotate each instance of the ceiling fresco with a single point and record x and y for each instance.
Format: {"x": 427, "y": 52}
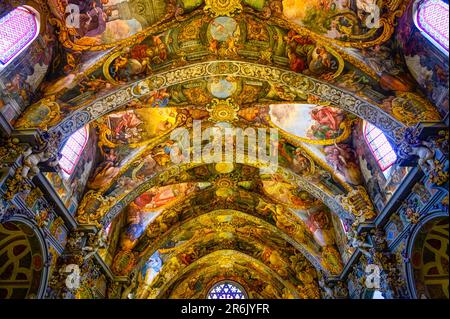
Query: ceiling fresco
{"x": 136, "y": 72}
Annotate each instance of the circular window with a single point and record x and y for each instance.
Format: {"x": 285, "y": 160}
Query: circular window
{"x": 227, "y": 290}
{"x": 429, "y": 260}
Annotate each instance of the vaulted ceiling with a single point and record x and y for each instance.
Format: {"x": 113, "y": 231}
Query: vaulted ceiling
{"x": 145, "y": 68}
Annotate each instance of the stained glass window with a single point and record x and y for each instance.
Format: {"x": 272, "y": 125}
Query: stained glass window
{"x": 72, "y": 150}
{"x": 227, "y": 290}
{"x": 432, "y": 19}
{"x": 377, "y": 295}
{"x": 380, "y": 147}
{"x": 18, "y": 29}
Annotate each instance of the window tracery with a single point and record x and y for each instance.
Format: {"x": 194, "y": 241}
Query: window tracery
{"x": 432, "y": 20}
{"x": 18, "y": 29}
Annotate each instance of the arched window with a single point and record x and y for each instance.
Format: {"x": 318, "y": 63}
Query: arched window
{"x": 72, "y": 150}
{"x": 18, "y": 29}
{"x": 227, "y": 290}
{"x": 427, "y": 250}
{"x": 22, "y": 271}
{"x": 380, "y": 148}
{"x": 431, "y": 17}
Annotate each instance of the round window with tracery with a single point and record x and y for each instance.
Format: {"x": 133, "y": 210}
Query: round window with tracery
{"x": 227, "y": 290}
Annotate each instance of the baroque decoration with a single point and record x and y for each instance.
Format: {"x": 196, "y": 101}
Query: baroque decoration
{"x": 224, "y": 153}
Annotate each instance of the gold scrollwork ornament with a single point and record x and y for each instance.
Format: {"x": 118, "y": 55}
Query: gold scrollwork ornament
{"x": 358, "y": 203}
{"x": 439, "y": 175}
{"x": 218, "y": 8}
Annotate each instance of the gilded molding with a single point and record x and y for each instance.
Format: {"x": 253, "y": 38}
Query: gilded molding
{"x": 291, "y": 80}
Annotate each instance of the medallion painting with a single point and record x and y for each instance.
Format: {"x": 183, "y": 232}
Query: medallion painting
{"x": 325, "y": 131}
{"x": 309, "y": 122}
{"x": 100, "y": 22}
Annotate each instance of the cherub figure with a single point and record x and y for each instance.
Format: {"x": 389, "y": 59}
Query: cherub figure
{"x": 99, "y": 240}
{"x": 356, "y": 242}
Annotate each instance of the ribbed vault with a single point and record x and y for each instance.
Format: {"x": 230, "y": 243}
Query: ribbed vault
{"x": 316, "y": 244}
{"x": 259, "y": 281}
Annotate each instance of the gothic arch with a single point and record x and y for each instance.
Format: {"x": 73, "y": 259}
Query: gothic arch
{"x": 109, "y": 208}
{"x": 282, "y": 259}
{"x": 436, "y": 39}
{"x": 278, "y": 218}
{"x": 290, "y": 80}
